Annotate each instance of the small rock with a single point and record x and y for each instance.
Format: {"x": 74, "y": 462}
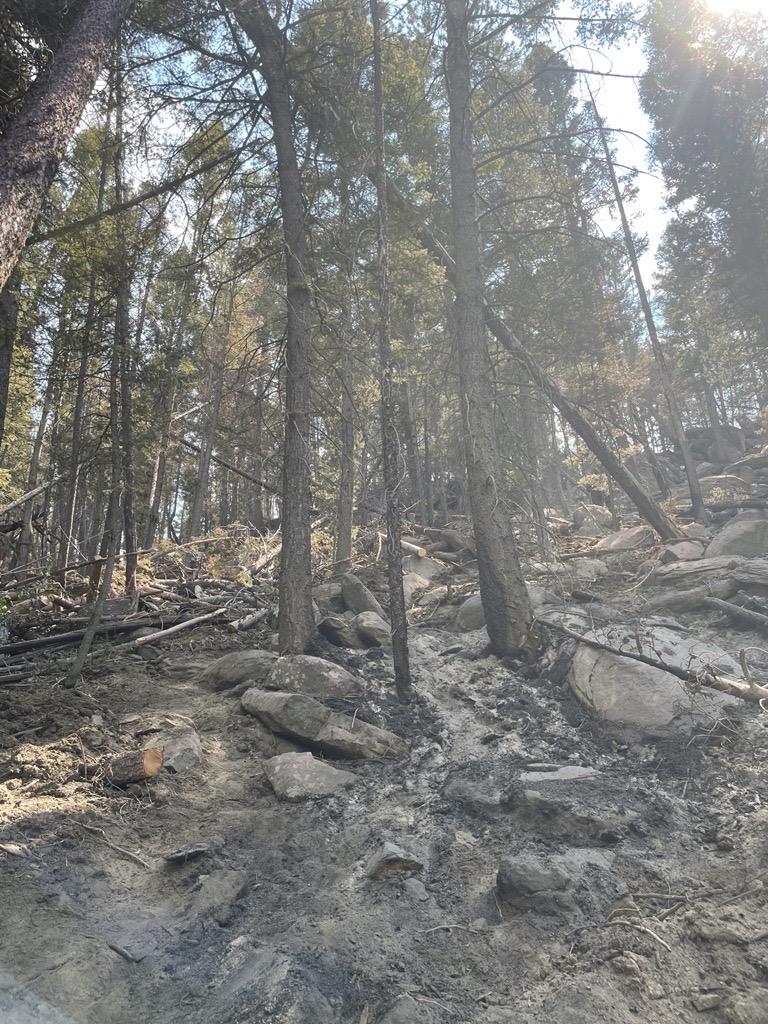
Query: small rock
{"x": 299, "y": 776}
{"x": 182, "y": 750}
{"x": 682, "y": 551}
{"x": 405, "y": 1010}
{"x": 412, "y": 584}
{"x": 471, "y": 615}
{"x": 568, "y": 773}
{"x": 528, "y": 876}
{"x": 416, "y": 889}
{"x": 372, "y": 629}
{"x": 748, "y": 1008}
{"x": 391, "y": 859}
{"x": 703, "y": 1001}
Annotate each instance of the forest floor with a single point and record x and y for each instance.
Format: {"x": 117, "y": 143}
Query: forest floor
{"x": 271, "y": 916}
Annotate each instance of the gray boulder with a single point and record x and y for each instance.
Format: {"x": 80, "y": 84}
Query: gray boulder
{"x": 592, "y": 520}
{"x": 743, "y": 535}
{"x": 238, "y": 667}
{"x": 316, "y": 677}
{"x": 627, "y": 540}
{"x": 308, "y": 721}
{"x": 372, "y": 629}
{"x": 339, "y": 631}
{"x": 328, "y": 597}
{"x": 300, "y": 776}
{"x": 427, "y": 567}
{"x": 641, "y": 698}
{"x": 471, "y": 615}
{"x": 413, "y": 583}
{"x": 358, "y": 597}
{"x": 682, "y": 551}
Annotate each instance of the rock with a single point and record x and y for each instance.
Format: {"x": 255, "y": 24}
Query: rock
{"x": 722, "y": 487}
{"x": 703, "y": 1001}
{"x": 416, "y": 890}
{"x": 471, "y": 615}
{"x": 568, "y": 773}
{"x": 640, "y": 697}
{"x": 358, "y": 597}
{"x": 427, "y": 568}
{"x": 328, "y": 597}
{"x": 627, "y": 540}
{"x": 181, "y": 749}
{"x": 391, "y": 859}
{"x": 697, "y": 531}
{"x": 588, "y": 568}
{"x": 273, "y": 987}
{"x": 741, "y": 536}
{"x": 522, "y": 880}
{"x": 372, "y": 629}
{"x": 681, "y": 551}
{"x": 592, "y": 520}
{"x": 339, "y": 631}
{"x": 405, "y": 1010}
{"x": 412, "y": 584}
{"x": 704, "y": 469}
{"x": 747, "y": 1008}
{"x": 315, "y": 677}
{"x": 299, "y": 776}
{"x": 238, "y": 667}
{"x": 307, "y": 720}
{"x": 474, "y": 798}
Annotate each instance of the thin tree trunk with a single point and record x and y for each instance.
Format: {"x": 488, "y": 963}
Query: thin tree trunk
{"x": 9, "y": 318}
{"x": 24, "y": 546}
{"x": 389, "y": 442}
{"x": 295, "y": 621}
{"x": 505, "y": 600}
{"x": 37, "y": 137}
{"x": 667, "y": 378}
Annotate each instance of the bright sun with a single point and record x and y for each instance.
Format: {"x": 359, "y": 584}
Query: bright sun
{"x": 732, "y": 6}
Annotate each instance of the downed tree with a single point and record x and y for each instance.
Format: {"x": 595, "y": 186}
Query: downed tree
{"x": 743, "y": 616}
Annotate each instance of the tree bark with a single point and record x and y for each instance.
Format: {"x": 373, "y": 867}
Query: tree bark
{"x": 295, "y": 620}
{"x": 504, "y": 596}
{"x": 390, "y": 448}
{"x": 37, "y": 137}
{"x": 9, "y": 318}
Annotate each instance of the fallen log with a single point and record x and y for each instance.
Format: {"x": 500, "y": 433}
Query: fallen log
{"x": 742, "y": 616}
{"x": 411, "y": 549}
{"x": 248, "y": 621}
{"x": 71, "y": 637}
{"x": 163, "y": 634}
{"x": 133, "y": 766}
{"x": 747, "y": 690}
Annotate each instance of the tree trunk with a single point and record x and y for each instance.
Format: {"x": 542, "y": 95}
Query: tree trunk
{"x": 507, "y": 609}
{"x": 296, "y": 621}
{"x": 667, "y": 378}
{"x": 37, "y": 137}
{"x": 390, "y": 449}
{"x": 9, "y": 318}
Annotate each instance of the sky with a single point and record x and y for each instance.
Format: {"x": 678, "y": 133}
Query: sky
{"x": 619, "y": 105}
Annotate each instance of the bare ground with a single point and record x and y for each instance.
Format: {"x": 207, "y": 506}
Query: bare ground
{"x": 666, "y": 847}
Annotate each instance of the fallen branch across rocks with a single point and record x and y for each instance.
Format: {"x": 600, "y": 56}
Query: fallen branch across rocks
{"x": 742, "y": 616}
{"x": 748, "y": 690}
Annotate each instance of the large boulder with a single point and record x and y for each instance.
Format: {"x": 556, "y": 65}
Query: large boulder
{"x": 413, "y": 584}
{"x": 328, "y": 597}
{"x": 592, "y": 520}
{"x": 238, "y": 667}
{"x": 339, "y": 630}
{"x": 299, "y": 776}
{"x": 640, "y": 697}
{"x": 630, "y": 539}
{"x": 745, "y": 535}
{"x": 723, "y": 487}
{"x": 311, "y": 723}
{"x": 682, "y": 551}
{"x": 426, "y": 567}
{"x": 358, "y": 597}
{"x": 471, "y": 615}
{"x": 372, "y": 629}
{"x": 315, "y": 677}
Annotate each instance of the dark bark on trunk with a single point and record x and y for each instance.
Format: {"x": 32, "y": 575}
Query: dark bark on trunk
{"x": 345, "y": 498}
{"x": 37, "y": 137}
{"x": 389, "y": 442}
{"x": 9, "y": 318}
{"x": 296, "y": 621}
{"x": 507, "y": 609}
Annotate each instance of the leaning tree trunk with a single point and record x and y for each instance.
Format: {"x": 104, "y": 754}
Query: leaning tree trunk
{"x": 667, "y": 379}
{"x": 295, "y": 621}
{"x": 502, "y": 587}
{"x": 390, "y": 448}
{"x": 36, "y": 139}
